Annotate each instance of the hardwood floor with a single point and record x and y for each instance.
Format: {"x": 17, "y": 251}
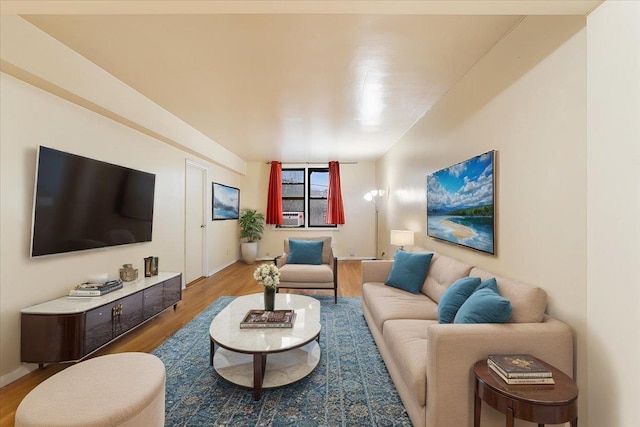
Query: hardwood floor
{"x": 236, "y": 279}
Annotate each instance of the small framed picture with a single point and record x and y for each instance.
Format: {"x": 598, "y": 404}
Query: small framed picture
{"x": 226, "y": 202}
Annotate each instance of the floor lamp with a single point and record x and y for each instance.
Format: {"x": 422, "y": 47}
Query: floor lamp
{"x": 373, "y": 196}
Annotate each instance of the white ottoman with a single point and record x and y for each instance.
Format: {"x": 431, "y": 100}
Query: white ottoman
{"x": 124, "y": 389}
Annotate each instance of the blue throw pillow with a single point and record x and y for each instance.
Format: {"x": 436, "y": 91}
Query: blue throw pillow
{"x": 305, "y": 252}
{"x": 454, "y": 297}
{"x": 409, "y": 271}
{"x": 489, "y": 284}
{"x": 484, "y": 306}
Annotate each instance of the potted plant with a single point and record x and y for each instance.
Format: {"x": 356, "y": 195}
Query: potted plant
{"x": 251, "y": 228}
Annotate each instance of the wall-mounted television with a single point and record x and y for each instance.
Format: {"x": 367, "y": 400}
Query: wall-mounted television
{"x": 82, "y": 203}
{"x": 460, "y": 203}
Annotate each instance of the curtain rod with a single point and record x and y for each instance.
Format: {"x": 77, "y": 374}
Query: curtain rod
{"x": 317, "y": 163}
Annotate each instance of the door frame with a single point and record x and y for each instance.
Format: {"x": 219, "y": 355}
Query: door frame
{"x": 205, "y": 247}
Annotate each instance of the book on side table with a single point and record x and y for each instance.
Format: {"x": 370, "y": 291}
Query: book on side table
{"x": 268, "y": 319}
{"x": 519, "y": 369}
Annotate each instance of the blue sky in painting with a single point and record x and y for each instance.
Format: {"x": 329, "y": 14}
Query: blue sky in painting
{"x": 464, "y": 185}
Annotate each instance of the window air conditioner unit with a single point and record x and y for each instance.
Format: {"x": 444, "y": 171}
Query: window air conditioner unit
{"x": 293, "y": 219}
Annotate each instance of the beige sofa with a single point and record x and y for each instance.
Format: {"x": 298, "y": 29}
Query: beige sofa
{"x": 431, "y": 364}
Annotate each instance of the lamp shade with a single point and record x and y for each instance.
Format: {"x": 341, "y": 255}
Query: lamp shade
{"x": 402, "y": 237}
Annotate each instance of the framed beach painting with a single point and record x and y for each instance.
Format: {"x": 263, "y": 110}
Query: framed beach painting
{"x": 460, "y": 203}
{"x": 226, "y": 202}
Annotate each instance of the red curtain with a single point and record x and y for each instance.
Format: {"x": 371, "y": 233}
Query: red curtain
{"x": 274, "y": 197}
{"x": 335, "y": 209}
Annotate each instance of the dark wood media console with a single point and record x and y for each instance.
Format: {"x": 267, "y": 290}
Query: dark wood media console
{"x": 68, "y": 329}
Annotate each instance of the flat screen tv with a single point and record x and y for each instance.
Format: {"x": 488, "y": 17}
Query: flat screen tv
{"x": 460, "y": 203}
{"x": 81, "y": 203}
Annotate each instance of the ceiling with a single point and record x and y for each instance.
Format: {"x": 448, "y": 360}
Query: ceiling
{"x": 291, "y": 85}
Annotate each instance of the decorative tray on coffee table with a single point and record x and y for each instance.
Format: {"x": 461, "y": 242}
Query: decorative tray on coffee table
{"x": 268, "y": 319}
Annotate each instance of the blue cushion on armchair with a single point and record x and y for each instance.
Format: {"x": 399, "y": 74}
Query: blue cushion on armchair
{"x": 409, "y": 271}
{"x": 305, "y": 252}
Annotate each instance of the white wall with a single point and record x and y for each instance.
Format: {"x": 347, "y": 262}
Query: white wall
{"x": 222, "y": 236}
{"x": 76, "y": 122}
{"x": 527, "y": 99}
{"x": 613, "y": 210}
{"x": 32, "y": 117}
{"x": 358, "y": 234}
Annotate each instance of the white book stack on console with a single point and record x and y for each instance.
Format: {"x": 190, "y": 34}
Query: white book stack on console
{"x": 95, "y": 289}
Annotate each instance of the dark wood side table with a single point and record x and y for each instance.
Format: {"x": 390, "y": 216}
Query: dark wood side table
{"x": 543, "y": 404}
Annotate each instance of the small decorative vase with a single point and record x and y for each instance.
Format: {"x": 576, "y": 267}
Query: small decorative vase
{"x": 269, "y": 298}
{"x": 155, "y": 264}
{"x": 147, "y": 266}
{"x": 128, "y": 273}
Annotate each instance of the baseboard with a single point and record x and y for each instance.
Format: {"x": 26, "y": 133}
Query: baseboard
{"x": 16, "y": 374}
{"x": 220, "y": 268}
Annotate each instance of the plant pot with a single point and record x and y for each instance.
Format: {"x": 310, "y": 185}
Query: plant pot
{"x": 249, "y": 252}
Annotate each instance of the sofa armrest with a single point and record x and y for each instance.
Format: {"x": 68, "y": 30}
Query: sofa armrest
{"x": 376, "y": 271}
{"x": 281, "y": 260}
{"x": 333, "y": 261}
{"x": 453, "y": 349}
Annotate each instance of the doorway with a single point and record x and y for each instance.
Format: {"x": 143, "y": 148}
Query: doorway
{"x": 195, "y": 232}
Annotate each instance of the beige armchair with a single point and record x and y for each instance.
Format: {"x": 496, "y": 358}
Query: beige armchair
{"x": 309, "y": 276}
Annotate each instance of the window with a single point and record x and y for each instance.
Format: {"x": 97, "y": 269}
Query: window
{"x": 318, "y": 193}
{"x": 306, "y": 190}
{"x": 293, "y": 190}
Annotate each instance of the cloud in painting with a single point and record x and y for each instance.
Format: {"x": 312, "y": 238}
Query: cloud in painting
{"x": 227, "y": 197}
{"x": 465, "y": 185}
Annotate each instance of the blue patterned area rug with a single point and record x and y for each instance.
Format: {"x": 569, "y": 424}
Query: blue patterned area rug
{"x": 349, "y": 387}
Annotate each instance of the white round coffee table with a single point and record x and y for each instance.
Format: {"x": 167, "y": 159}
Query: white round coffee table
{"x": 242, "y": 356}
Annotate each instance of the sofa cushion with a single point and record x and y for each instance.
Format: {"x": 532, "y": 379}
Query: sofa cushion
{"x": 306, "y": 273}
{"x": 454, "y": 297}
{"x": 442, "y": 273}
{"x": 406, "y": 341}
{"x": 386, "y": 303}
{"x": 484, "y": 306}
{"x": 528, "y": 302}
{"x": 305, "y": 252}
{"x": 409, "y": 271}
